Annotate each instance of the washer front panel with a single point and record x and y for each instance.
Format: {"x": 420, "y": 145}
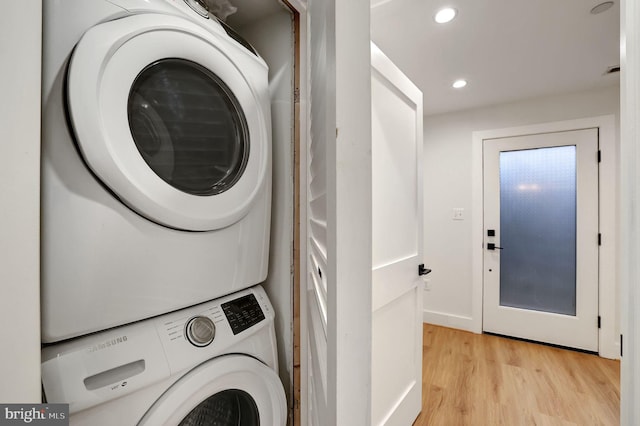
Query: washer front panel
{"x": 105, "y": 64}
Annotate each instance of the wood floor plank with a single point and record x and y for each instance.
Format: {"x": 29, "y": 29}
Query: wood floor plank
{"x": 477, "y": 380}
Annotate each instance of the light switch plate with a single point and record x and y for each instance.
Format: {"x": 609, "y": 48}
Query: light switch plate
{"x": 458, "y": 213}
{"x": 426, "y": 282}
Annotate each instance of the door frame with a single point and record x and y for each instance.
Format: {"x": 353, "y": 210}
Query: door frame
{"x": 608, "y": 336}
{"x": 347, "y": 357}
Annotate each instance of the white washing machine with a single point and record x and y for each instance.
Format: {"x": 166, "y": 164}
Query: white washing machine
{"x": 211, "y": 364}
{"x": 156, "y": 162}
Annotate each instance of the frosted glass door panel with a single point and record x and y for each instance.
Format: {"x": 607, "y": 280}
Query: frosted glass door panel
{"x": 538, "y": 229}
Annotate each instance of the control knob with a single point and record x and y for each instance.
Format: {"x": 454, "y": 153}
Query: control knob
{"x": 200, "y": 331}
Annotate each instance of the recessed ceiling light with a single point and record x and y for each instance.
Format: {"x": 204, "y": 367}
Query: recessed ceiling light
{"x": 459, "y": 84}
{"x": 601, "y": 7}
{"x": 445, "y": 15}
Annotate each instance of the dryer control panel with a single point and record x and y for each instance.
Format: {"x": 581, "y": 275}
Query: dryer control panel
{"x": 243, "y": 313}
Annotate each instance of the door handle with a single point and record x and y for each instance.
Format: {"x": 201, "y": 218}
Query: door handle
{"x": 422, "y": 270}
{"x": 492, "y": 246}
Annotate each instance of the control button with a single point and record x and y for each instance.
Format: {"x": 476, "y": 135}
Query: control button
{"x": 199, "y": 7}
{"x": 243, "y": 313}
{"x": 200, "y": 331}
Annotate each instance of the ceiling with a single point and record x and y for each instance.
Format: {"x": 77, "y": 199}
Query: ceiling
{"x": 507, "y": 49}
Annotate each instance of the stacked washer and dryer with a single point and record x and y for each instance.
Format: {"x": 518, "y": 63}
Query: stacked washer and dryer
{"x": 156, "y": 198}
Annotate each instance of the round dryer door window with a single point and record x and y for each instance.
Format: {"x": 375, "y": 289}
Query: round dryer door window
{"x": 173, "y": 118}
{"x": 189, "y": 127}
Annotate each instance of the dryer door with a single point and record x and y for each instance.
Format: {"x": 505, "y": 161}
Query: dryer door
{"x": 230, "y": 390}
{"x": 165, "y": 115}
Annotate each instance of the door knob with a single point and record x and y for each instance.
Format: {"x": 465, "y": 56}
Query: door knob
{"x": 492, "y": 246}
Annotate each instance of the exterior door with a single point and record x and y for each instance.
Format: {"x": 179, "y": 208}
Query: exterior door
{"x": 541, "y": 237}
{"x": 397, "y": 244}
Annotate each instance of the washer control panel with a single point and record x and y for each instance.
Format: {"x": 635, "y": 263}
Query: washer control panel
{"x": 200, "y": 331}
{"x": 243, "y": 313}
{"x": 100, "y": 367}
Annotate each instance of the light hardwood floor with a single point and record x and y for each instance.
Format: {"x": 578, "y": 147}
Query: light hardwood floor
{"x": 471, "y": 379}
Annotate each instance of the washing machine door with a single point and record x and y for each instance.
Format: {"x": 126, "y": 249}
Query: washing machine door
{"x": 171, "y": 117}
{"x": 232, "y": 390}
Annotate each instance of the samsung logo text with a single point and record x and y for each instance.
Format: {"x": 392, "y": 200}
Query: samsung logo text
{"x": 107, "y": 344}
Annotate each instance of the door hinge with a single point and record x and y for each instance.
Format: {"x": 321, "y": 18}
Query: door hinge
{"x": 599, "y": 321}
{"x": 599, "y": 239}
{"x": 621, "y": 345}
{"x": 599, "y": 156}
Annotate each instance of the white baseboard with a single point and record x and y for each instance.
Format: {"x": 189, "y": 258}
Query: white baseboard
{"x": 449, "y": 320}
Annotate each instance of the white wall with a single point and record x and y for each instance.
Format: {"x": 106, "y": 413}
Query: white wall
{"x": 448, "y": 185}
{"x": 20, "y": 52}
{"x": 272, "y": 37}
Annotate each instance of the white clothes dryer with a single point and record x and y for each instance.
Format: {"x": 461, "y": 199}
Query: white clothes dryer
{"x": 156, "y": 162}
{"x": 212, "y": 364}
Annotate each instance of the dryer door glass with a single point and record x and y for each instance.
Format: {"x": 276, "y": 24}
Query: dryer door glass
{"x": 188, "y": 126}
{"x": 227, "y": 408}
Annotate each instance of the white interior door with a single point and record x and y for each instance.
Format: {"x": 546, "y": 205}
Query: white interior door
{"x": 541, "y": 237}
{"x": 397, "y": 244}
